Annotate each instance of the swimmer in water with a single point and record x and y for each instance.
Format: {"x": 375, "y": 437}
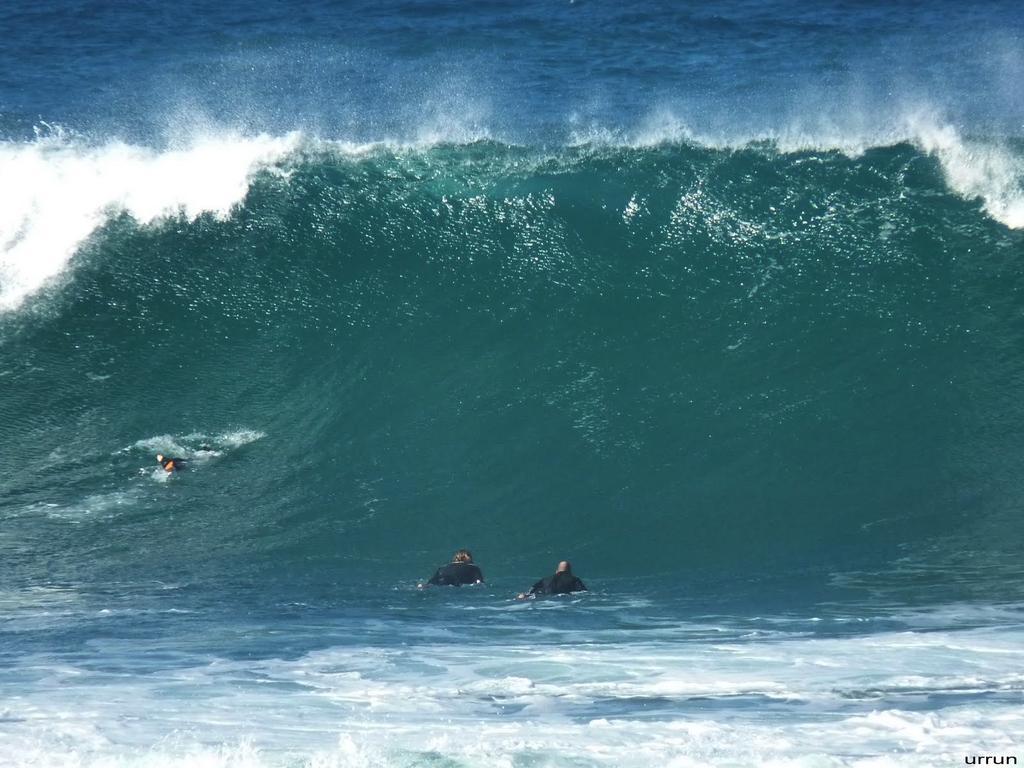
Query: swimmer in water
{"x": 562, "y": 583}
{"x": 170, "y": 464}
{"x": 461, "y": 570}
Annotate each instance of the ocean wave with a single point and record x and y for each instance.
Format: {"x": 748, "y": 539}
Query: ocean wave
{"x": 60, "y": 189}
{"x": 57, "y": 191}
{"x": 991, "y": 170}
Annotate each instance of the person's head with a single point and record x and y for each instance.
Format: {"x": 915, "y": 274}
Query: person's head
{"x": 564, "y": 567}
{"x": 462, "y": 556}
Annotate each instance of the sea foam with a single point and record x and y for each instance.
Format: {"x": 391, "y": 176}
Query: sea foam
{"x": 55, "y": 192}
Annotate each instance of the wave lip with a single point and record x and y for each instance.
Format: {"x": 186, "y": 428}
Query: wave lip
{"x": 973, "y": 169}
{"x": 985, "y": 169}
{"x": 56, "y": 193}
{"x": 56, "y": 190}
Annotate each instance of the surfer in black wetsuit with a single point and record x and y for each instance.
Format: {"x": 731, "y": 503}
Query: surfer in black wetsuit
{"x": 561, "y": 583}
{"x": 170, "y": 464}
{"x": 461, "y": 570}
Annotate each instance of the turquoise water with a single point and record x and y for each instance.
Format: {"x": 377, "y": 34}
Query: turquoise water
{"x": 755, "y": 371}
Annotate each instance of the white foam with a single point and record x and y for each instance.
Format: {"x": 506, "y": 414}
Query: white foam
{"x": 975, "y": 169}
{"x": 208, "y": 444}
{"x": 96, "y": 506}
{"x": 239, "y": 438}
{"x": 166, "y": 444}
{"x": 56, "y": 191}
{"x": 507, "y": 705}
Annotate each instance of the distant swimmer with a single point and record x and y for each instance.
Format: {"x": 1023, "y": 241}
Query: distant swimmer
{"x": 461, "y": 570}
{"x": 561, "y": 583}
{"x": 170, "y": 464}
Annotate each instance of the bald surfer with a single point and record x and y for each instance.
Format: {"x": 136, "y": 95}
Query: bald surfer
{"x": 561, "y": 583}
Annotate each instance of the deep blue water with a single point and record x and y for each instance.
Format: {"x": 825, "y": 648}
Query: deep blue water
{"x": 523, "y": 70}
{"x": 724, "y": 303}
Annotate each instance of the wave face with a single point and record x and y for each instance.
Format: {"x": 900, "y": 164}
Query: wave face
{"x": 661, "y": 359}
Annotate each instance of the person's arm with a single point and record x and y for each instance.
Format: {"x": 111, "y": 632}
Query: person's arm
{"x": 436, "y": 578}
{"x": 479, "y": 574}
{"x": 535, "y": 590}
{"x": 580, "y": 586}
